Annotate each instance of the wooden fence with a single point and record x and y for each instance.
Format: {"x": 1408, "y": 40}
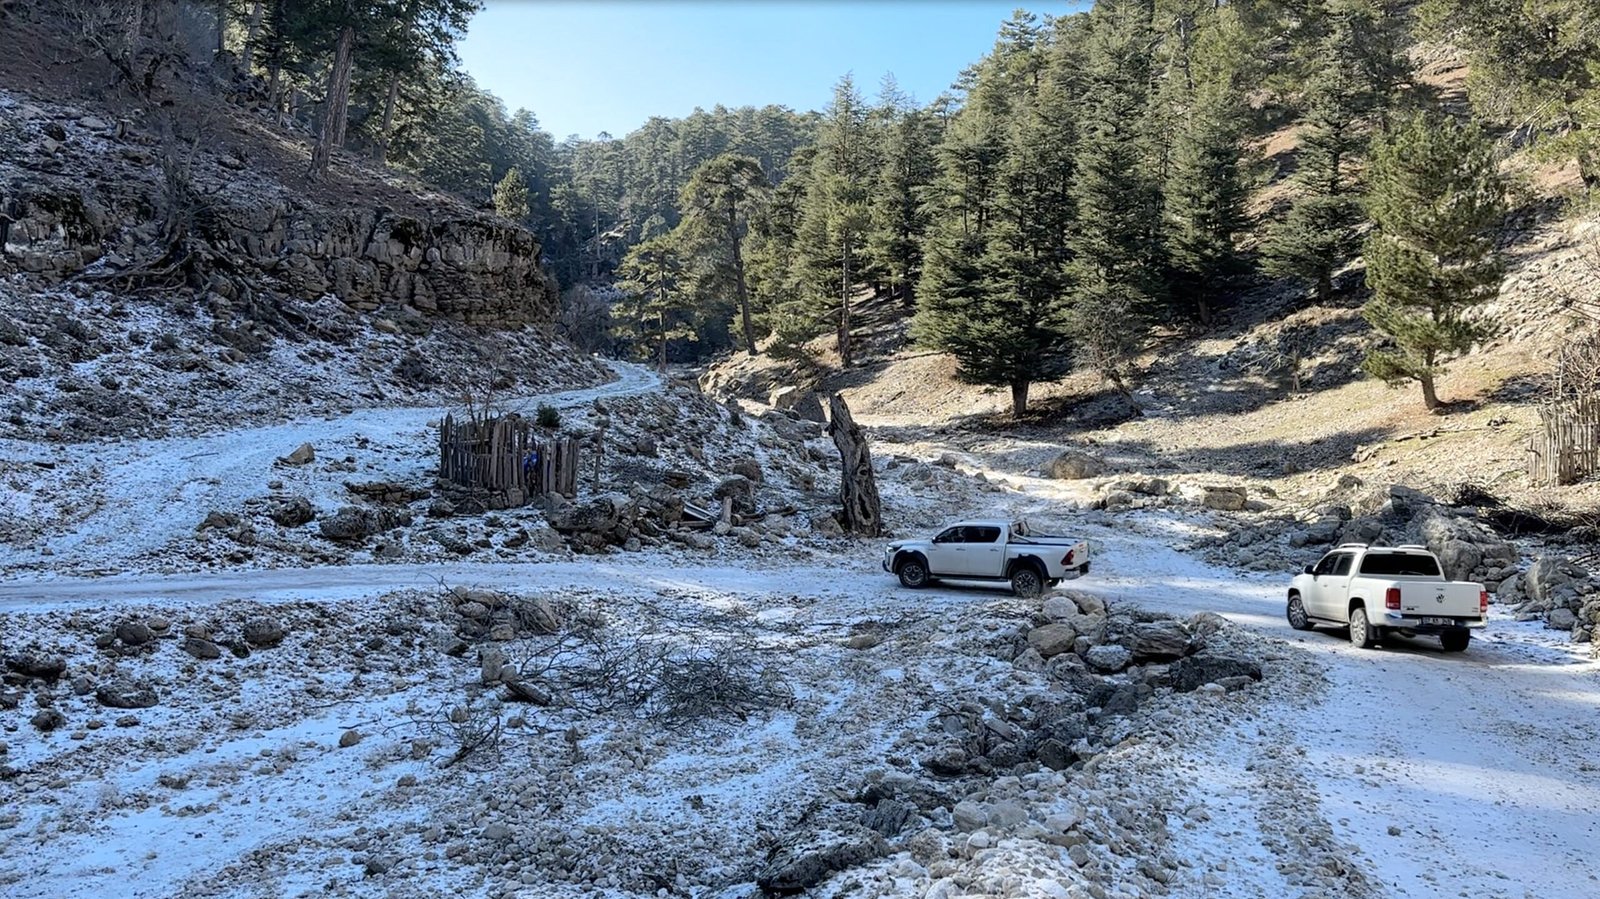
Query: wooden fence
{"x": 1566, "y": 448}
{"x": 503, "y": 455}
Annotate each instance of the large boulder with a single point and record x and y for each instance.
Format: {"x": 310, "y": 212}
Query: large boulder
{"x": 1075, "y": 465}
{"x": 803, "y": 403}
{"x": 598, "y": 516}
{"x": 1225, "y": 499}
{"x": 1192, "y": 673}
{"x": 1052, "y": 639}
{"x": 352, "y": 524}
{"x": 292, "y": 511}
{"x": 1551, "y": 583}
{"x": 126, "y": 695}
{"x": 807, "y": 857}
{"x": 1158, "y": 641}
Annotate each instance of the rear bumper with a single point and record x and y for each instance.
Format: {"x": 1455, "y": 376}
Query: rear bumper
{"x": 1415, "y": 623}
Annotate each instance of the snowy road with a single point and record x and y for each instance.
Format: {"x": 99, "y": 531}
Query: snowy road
{"x": 151, "y": 492}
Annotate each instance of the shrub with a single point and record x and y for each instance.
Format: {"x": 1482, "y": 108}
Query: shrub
{"x": 548, "y": 416}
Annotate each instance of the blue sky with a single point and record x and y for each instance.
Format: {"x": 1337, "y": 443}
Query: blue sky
{"x": 586, "y": 66}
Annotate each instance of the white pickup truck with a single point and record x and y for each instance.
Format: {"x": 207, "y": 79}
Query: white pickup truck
{"x": 1379, "y": 590}
{"x": 988, "y": 551}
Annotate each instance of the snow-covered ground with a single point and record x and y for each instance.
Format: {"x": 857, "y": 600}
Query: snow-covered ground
{"x": 1399, "y": 772}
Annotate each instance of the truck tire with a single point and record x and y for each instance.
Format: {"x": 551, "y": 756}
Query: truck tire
{"x": 1455, "y": 641}
{"x": 1362, "y": 633}
{"x": 1296, "y": 613}
{"x": 1026, "y": 581}
{"x": 913, "y": 572}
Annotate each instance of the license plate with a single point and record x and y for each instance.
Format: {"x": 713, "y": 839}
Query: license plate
{"x": 1443, "y": 622}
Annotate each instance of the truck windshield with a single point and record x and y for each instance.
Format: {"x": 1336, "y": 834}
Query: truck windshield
{"x": 1400, "y": 565}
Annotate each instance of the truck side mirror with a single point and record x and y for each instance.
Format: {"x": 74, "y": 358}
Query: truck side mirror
{"x": 1310, "y": 570}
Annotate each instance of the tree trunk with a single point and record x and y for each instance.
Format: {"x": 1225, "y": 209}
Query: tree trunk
{"x": 1429, "y": 397}
{"x": 252, "y": 31}
{"x": 381, "y": 153}
{"x": 337, "y": 105}
{"x": 661, "y": 355}
{"x": 222, "y": 29}
{"x": 1019, "y": 398}
{"x": 858, "y": 489}
{"x": 842, "y": 340}
{"x": 738, "y": 280}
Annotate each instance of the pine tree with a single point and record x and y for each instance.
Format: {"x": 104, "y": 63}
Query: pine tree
{"x": 511, "y": 195}
{"x": 1353, "y": 74}
{"x": 1118, "y": 256}
{"x": 837, "y": 214}
{"x": 1438, "y": 200}
{"x": 899, "y": 211}
{"x": 651, "y": 275}
{"x": 994, "y": 283}
{"x": 718, "y": 203}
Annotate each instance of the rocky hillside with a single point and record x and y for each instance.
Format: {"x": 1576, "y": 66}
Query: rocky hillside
{"x": 167, "y": 267}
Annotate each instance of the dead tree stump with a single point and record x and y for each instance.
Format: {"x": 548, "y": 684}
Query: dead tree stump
{"x": 858, "y": 489}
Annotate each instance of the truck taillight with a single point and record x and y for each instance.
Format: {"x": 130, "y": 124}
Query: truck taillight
{"x": 1067, "y": 559}
{"x": 1483, "y": 602}
{"x": 1391, "y": 598}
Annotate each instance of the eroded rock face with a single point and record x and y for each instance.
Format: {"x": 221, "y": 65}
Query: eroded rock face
{"x": 444, "y": 259}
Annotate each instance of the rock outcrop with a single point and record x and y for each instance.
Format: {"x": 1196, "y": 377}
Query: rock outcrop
{"x": 89, "y": 200}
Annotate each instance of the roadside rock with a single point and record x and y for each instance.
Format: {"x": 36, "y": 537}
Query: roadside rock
{"x": 126, "y": 695}
{"x": 355, "y": 523}
{"x": 1108, "y": 657}
{"x": 1158, "y": 641}
{"x": 134, "y": 633}
{"x": 1225, "y": 499}
{"x": 804, "y": 859}
{"x": 292, "y": 512}
{"x": 1052, "y": 639}
{"x": 263, "y": 632}
{"x": 1076, "y": 465}
{"x": 304, "y": 454}
{"x": 47, "y": 720}
{"x": 201, "y": 648}
{"x": 1189, "y": 674}
{"x": 32, "y": 664}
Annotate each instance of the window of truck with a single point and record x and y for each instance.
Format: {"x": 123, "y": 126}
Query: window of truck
{"x": 1400, "y": 565}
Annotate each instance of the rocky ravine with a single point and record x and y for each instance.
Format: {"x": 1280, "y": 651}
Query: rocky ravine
{"x": 623, "y": 743}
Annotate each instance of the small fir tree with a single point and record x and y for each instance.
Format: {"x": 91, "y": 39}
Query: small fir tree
{"x": 511, "y": 195}
{"x": 1437, "y": 198}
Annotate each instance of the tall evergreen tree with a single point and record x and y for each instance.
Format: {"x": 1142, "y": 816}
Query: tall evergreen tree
{"x": 899, "y": 208}
{"x": 1438, "y": 200}
{"x": 1352, "y": 77}
{"x": 1205, "y": 196}
{"x": 837, "y": 214}
{"x": 1118, "y": 256}
{"x": 651, "y": 276}
{"x": 718, "y": 202}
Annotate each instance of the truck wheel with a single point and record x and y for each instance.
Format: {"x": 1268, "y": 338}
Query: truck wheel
{"x": 913, "y": 573}
{"x": 1362, "y": 633}
{"x": 1298, "y": 619}
{"x": 1026, "y": 582}
{"x": 1455, "y": 641}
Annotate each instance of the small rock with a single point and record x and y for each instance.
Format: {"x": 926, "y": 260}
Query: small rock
{"x": 48, "y": 720}
{"x": 1108, "y": 657}
{"x": 263, "y": 632}
{"x": 201, "y": 648}
{"x": 125, "y": 695}
{"x": 134, "y": 633}
{"x": 349, "y": 738}
{"x": 302, "y": 455}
